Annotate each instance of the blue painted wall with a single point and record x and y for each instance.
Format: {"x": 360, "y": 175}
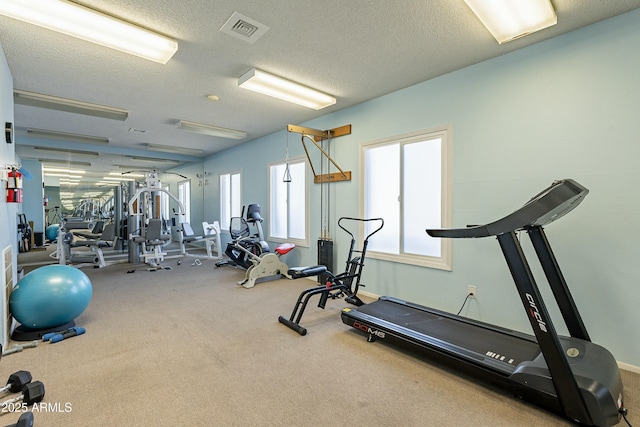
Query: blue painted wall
{"x": 8, "y": 211}
{"x": 563, "y": 108}
{"x": 32, "y": 204}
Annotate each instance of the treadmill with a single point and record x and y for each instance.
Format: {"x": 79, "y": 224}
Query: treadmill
{"x": 570, "y": 375}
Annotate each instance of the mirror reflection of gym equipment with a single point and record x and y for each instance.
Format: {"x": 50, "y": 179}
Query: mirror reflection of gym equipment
{"x": 149, "y": 232}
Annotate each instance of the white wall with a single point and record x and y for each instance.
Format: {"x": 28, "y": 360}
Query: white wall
{"x": 563, "y": 108}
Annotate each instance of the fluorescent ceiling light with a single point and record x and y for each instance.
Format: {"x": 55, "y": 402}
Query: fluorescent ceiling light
{"x": 63, "y": 162}
{"x": 65, "y": 136}
{"x": 127, "y": 167}
{"x": 153, "y": 160}
{"x": 277, "y": 87}
{"x": 65, "y": 150}
{"x": 50, "y": 102}
{"x": 210, "y": 130}
{"x": 122, "y": 178}
{"x": 508, "y": 20}
{"x": 64, "y": 170}
{"x": 176, "y": 150}
{"x": 62, "y": 175}
{"x": 93, "y": 26}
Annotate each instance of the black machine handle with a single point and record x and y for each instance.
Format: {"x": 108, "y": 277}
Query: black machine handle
{"x": 348, "y": 218}
{"x": 552, "y": 203}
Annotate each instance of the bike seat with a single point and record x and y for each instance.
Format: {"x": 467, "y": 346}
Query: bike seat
{"x": 284, "y": 248}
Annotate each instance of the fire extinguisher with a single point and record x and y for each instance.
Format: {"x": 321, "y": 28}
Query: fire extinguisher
{"x": 14, "y": 186}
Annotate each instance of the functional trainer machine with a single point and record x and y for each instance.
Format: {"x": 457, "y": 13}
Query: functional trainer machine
{"x": 568, "y": 375}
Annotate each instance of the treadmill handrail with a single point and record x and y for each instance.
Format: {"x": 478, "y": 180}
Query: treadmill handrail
{"x": 561, "y": 197}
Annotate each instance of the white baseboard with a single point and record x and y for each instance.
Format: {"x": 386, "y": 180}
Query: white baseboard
{"x": 368, "y": 294}
{"x": 629, "y": 367}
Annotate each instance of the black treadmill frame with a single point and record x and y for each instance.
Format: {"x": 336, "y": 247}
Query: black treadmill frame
{"x": 552, "y": 203}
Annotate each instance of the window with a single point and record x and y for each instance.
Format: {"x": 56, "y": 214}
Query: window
{"x": 407, "y": 182}
{"x": 288, "y": 203}
{"x": 184, "y": 195}
{"x": 164, "y": 203}
{"x": 230, "y": 200}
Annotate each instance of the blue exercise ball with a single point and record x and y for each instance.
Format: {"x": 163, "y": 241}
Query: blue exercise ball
{"x": 51, "y": 232}
{"x": 50, "y": 296}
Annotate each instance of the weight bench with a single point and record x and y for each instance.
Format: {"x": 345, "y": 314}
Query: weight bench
{"x": 151, "y": 243}
{"x": 94, "y": 255}
{"x": 212, "y": 238}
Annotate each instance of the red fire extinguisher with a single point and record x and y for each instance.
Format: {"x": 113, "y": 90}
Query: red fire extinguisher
{"x": 14, "y": 186}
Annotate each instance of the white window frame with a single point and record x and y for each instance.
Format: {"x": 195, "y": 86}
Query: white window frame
{"x": 185, "y": 200}
{"x": 297, "y": 241}
{"x": 164, "y": 203}
{"x": 224, "y": 217}
{"x": 445, "y": 133}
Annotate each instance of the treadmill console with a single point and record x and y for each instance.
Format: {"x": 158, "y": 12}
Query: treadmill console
{"x": 550, "y": 204}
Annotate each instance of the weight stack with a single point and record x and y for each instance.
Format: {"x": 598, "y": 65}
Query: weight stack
{"x": 325, "y": 257}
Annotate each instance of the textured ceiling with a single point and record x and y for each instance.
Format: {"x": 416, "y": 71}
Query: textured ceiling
{"x": 355, "y": 50}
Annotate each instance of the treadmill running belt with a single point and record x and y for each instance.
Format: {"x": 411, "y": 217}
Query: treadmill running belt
{"x": 502, "y": 345}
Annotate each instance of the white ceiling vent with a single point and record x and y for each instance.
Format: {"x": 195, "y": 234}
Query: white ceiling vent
{"x": 244, "y": 28}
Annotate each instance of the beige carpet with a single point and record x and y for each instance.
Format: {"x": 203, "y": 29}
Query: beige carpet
{"x": 188, "y": 347}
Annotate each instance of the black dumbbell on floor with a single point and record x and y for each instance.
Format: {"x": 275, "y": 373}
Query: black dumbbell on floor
{"x": 25, "y": 420}
{"x": 16, "y": 382}
{"x": 31, "y": 393}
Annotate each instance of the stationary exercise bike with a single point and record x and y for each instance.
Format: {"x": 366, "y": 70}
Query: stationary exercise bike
{"x": 252, "y": 252}
{"x": 345, "y": 284}
{"x": 243, "y": 244}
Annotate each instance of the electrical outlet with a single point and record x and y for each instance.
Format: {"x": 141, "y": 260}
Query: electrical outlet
{"x": 472, "y": 290}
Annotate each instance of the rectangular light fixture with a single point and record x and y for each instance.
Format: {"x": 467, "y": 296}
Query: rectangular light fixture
{"x": 87, "y": 24}
{"x": 277, "y": 87}
{"x": 46, "y": 162}
{"x": 154, "y": 160}
{"x": 62, "y": 175}
{"x": 68, "y": 151}
{"x": 210, "y": 130}
{"x": 40, "y": 100}
{"x": 64, "y": 170}
{"x": 508, "y": 20}
{"x": 65, "y": 136}
{"x": 122, "y": 178}
{"x": 175, "y": 150}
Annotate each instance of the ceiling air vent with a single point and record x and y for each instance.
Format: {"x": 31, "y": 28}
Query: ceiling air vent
{"x": 244, "y": 28}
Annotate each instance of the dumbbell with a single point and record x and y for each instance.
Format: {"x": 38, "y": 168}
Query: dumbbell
{"x": 31, "y": 393}
{"x": 25, "y": 420}
{"x": 16, "y": 382}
